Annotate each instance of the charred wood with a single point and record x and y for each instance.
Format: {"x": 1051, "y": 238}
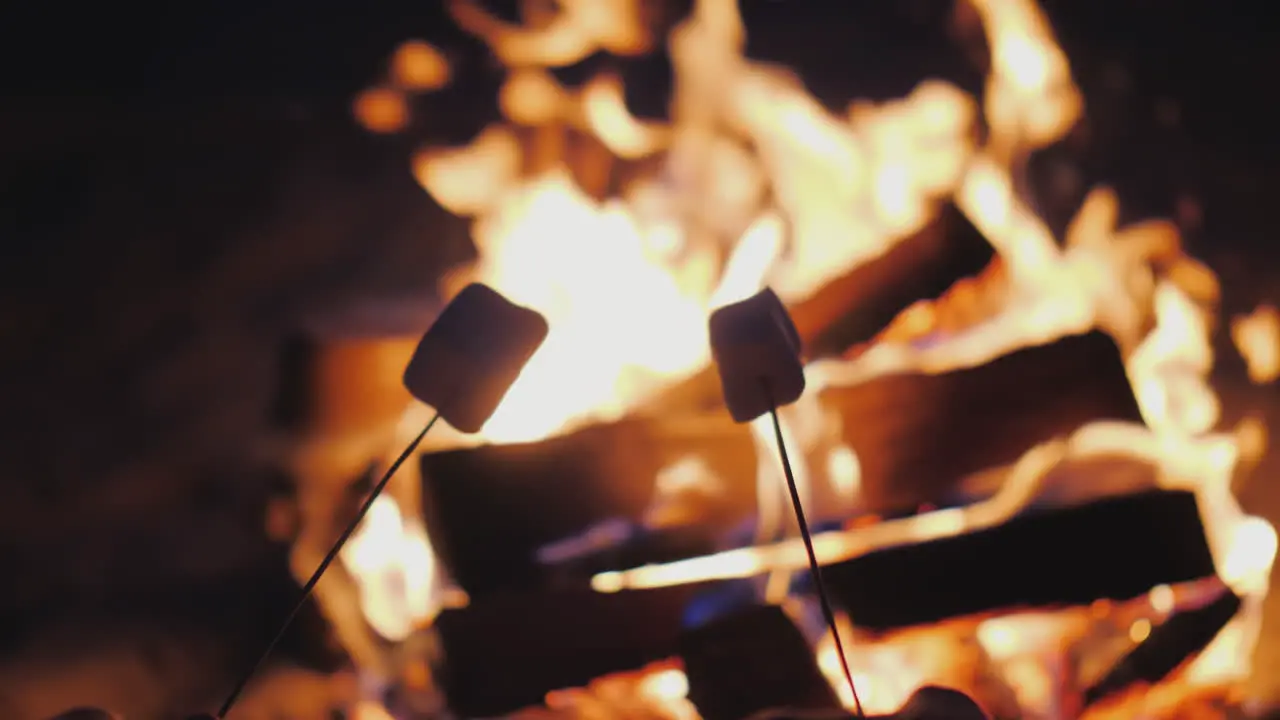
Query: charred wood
{"x": 752, "y": 660}
{"x": 917, "y": 435}
{"x": 507, "y": 652}
{"x": 1116, "y": 548}
{"x": 490, "y": 509}
{"x": 856, "y": 306}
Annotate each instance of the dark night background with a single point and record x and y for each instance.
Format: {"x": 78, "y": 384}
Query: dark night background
{"x": 182, "y": 190}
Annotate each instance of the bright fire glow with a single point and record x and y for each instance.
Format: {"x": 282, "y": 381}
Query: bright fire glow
{"x": 1257, "y": 336}
{"x": 418, "y": 66}
{"x": 394, "y": 568}
{"x": 626, "y": 282}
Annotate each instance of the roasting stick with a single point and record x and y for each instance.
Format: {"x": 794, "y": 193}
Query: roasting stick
{"x": 324, "y": 565}
{"x": 463, "y": 367}
{"x": 824, "y": 599}
{"x": 756, "y": 348}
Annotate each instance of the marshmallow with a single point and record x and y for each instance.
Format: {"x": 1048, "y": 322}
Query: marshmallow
{"x": 472, "y": 354}
{"x": 755, "y": 344}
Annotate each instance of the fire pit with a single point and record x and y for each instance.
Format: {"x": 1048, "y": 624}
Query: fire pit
{"x": 1009, "y": 439}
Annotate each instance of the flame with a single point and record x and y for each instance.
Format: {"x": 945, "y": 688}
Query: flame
{"x": 1257, "y": 336}
{"x": 761, "y": 184}
{"x": 620, "y": 322}
{"x": 659, "y": 691}
{"x": 419, "y": 66}
{"x": 368, "y": 710}
{"x": 626, "y": 283}
{"x": 394, "y": 567}
{"x": 885, "y": 675}
{"x": 381, "y": 110}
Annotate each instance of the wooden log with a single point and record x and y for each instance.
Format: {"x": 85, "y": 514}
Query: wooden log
{"x": 507, "y": 652}
{"x": 1116, "y": 548}
{"x": 917, "y": 435}
{"x": 490, "y": 508}
{"x": 855, "y": 307}
{"x": 752, "y": 660}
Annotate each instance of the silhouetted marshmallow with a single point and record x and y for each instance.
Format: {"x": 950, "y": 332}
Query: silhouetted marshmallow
{"x": 472, "y": 354}
{"x": 757, "y": 351}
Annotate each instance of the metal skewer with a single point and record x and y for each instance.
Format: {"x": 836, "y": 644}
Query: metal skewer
{"x": 324, "y": 565}
{"x": 814, "y": 568}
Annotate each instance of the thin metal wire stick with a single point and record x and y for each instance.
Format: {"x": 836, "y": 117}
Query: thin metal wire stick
{"x": 814, "y": 569}
{"x": 324, "y": 565}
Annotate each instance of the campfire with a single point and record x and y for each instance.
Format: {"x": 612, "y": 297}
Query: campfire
{"x": 1009, "y": 439}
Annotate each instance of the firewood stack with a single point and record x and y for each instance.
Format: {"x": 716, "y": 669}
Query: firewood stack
{"x": 922, "y": 440}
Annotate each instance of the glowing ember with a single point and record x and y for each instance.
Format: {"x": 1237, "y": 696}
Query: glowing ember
{"x": 381, "y": 110}
{"x": 419, "y": 67}
{"x": 658, "y": 691}
{"x": 365, "y": 710}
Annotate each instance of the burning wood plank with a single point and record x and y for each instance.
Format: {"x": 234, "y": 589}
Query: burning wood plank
{"x": 945, "y": 427}
{"x": 1061, "y": 474}
{"x": 750, "y": 661}
{"x": 491, "y": 508}
{"x": 1115, "y": 548}
{"x": 857, "y": 306}
{"x": 917, "y": 435}
{"x": 508, "y": 652}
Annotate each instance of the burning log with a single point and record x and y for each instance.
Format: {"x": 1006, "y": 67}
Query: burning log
{"x": 917, "y": 435}
{"x": 855, "y": 307}
{"x": 508, "y": 652}
{"x": 1115, "y": 548}
{"x": 490, "y": 509}
{"x": 750, "y": 661}
{"x": 1169, "y": 645}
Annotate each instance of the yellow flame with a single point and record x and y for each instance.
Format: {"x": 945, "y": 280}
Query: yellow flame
{"x": 381, "y": 110}
{"x": 1257, "y": 336}
{"x": 605, "y": 111}
{"x": 580, "y": 28}
{"x": 394, "y": 567}
{"x": 419, "y": 66}
{"x": 368, "y": 710}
